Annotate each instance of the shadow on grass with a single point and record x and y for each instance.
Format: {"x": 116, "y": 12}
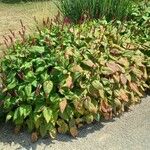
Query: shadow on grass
{"x": 24, "y": 138}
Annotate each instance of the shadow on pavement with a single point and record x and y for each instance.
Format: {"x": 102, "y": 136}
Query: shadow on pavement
{"x": 23, "y": 139}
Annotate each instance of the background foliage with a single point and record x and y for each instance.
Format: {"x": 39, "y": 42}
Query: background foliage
{"x": 94, "y": 9}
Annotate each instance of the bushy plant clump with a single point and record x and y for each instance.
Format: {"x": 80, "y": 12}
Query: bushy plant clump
{"x": 75, "y": 10}
{"x": 64, "y": 77}
{"x": 138, "y": 28}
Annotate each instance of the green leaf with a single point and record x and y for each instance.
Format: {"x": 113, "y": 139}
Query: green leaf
{"x": 34, "y": 83}
{"x": 37, "y": 120}
{"x": 37, "y": 49}
{"x": 89, "y": 118}
{"x": 12, "y": 85}
{"x": 40, "y": 69}
{"x": 16, "y": 114}
{"x": 47, "y": 113}
{"x": 9, "y": 116}
{"x": 97, "y": 85}
{"x": 28, "y": 90}
{"x": 30, "y": 124}
{"x": 26, "y": 65}
{"x": 47, "y": 86}
{"x": 39, "y": 107}
{"x": 43, "y": 129}
{"x": 27, "y": 109}
{"x": 30, "y": 76}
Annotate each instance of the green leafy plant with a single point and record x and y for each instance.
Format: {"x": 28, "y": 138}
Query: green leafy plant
{"x": 63, "y": 77}
{"x": 138, "y": 28}
{"x": 141, "y": 25}
{"x": 75, "y": 10}
{"x": 72, "y": 10}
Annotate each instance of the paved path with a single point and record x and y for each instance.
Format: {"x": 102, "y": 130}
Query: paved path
{"x": 130, "y": 132}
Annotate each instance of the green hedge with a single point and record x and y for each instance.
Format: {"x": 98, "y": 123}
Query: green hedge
{"x": 65, "y": 77}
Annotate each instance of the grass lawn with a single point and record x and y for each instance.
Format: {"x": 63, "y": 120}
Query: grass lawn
{"x": 10, "y": 14}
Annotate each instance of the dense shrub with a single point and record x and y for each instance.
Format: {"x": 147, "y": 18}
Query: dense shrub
{"x": 111, "y": 9}
{"x": 64, "y": 77}
{"x": 140, "y": 26}
{"x": 138, "y": 29}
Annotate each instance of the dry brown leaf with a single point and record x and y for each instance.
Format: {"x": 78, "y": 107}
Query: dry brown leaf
{"x": 79, "y": 120}
{"x": 37, "y": 91}
{"x": 77, "y": 68}
{"x": 34, "y": 137}
{"x": 79, "y": 106}
{"x": 105, "y": 107}
{"x": 114, "y": 51}
{"x": 74, "y": 131}
{"x": 124, "y": 62}
{"x": 113, "y": 66}
{"x": 17, "y": 129}
{"x": 89, "y": 63}
{"x": 131, "y": 46}
{"x": 59, "y": 130}
{"x": 80, "y": 125}
{"x": 106, "y": 110}
{"x": 123, "y": 79}
{"x": 107, "y": 115}
{"x": 62, "y": 105}
{"x": 69, "y": 82}
{"x": 123, "y": 95}
{"x": 68, "y": 53}
{"x": 135, "y": 88}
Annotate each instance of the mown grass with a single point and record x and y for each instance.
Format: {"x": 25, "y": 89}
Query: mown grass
{"x": 10, "y": 14}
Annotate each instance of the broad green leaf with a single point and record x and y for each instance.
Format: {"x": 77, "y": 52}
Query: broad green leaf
{"x": 37, "y": 49}
{"x": 47, "y": 86}
{"x": 40, "y": 69}
{"x": 37, "y": 120}
{"x": 30, "y": 76}
{"x": 12, "y": 85}
{"x": 47, "y": 113}
{"x": 28, "y": 90}
{"x": 26, "y": 65}
{"x": 97, "y": 85}
{"x": 27, "y": 109}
